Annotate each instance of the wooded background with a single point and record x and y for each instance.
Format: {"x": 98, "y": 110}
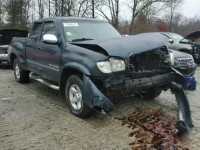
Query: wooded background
{"x": 127, "y": 16}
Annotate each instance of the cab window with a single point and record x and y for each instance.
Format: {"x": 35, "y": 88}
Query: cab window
{"x": 35, "y": 31}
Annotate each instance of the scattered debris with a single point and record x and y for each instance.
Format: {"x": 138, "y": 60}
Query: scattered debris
{"x": 152, "y": 128}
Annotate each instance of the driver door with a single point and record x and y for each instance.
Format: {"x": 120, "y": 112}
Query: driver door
{"x": 49, "y": 54}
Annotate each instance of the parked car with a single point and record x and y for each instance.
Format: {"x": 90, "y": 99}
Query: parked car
{"x": 87, "y": 59}
{"x": 3, "y": 53}
{"x": 6, "y": 36}
{"x": 183, "y": 62}
{"x": 188, "y": 44}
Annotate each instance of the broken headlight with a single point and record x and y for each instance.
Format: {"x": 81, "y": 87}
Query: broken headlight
{"x": 171, "y": 58}
{"x": 112, "y": 65}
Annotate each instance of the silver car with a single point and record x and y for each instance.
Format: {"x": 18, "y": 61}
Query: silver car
{"x": 188, "y": 44}
{"x": 6, "y": 36}
{"x": 3, "y": 53}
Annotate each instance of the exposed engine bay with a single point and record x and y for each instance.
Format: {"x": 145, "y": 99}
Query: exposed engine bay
{"x": 149, "y": 63}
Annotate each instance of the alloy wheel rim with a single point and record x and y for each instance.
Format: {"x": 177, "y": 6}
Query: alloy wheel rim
{"x": 17, "y": 71}
{"x": 75, "y": 97}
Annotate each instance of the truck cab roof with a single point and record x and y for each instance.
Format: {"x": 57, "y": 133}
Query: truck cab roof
{"x": 67, "y": 18}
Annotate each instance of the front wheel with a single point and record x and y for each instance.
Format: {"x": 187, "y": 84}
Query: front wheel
{"x": 74, "y": 97}
{"x": 21, "y": 75}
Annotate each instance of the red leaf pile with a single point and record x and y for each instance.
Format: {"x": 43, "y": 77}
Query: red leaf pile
{"x": 152, "y": 129}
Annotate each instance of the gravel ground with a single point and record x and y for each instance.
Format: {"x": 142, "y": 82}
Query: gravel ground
{"x": 32, "y": 116}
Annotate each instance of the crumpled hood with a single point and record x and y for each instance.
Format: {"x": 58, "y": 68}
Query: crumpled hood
{"x": 193, "y": 36}
{"x": 125, "y": 46}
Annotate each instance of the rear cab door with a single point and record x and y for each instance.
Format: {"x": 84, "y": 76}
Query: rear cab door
{"x": 31, "y": 53}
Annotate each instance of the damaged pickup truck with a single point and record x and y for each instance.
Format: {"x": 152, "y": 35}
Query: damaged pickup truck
{"x": 88, "y": 59}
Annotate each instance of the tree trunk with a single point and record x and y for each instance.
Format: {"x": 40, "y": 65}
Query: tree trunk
{"x": 93, "y": 9}
{"x": 49, "y": 8}
{"x": 117, "y": 15}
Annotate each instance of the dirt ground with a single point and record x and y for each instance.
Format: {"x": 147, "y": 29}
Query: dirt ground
{"x": 32, "y": 116}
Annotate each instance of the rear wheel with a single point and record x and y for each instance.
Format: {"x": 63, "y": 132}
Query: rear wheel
{"x": 151, "y": 94}
{"x": 21, "y": 75}
{"x": 74, "y": 97}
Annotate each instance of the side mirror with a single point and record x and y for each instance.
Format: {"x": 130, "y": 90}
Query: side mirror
{"x": 49, "y": 39}
{"x": 171, "y": 41}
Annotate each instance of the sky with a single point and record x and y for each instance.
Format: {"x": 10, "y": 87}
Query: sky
{"x": 191, "y": 8}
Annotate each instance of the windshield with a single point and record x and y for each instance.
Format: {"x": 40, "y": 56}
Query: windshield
{"x": 176, "y": 37}
{"x": 76, "y": 30}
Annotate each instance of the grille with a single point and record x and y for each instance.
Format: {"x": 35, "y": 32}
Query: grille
{"x": 185, "y": 62}
{"x": 3, "y": 51}
{"x": 149, "y": 60}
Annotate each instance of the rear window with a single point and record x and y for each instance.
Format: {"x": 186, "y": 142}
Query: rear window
{"x": 35, "y": 31}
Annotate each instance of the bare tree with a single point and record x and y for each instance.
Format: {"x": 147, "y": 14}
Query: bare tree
{"x": 49, "y": 8}
{"x": 112, "y": 6}
{"x": 41, "y": 8}
{"x": 93, "y": 11}
{"x": 152, "y": 11}
{"x": 71, "y": 7}
{"x": 17, "y": 13}
{"x": 137, "y": 6}
{"x": 173, "y": 6}
{"x": 1, "y": 14}
{"x": 33, "y": 5}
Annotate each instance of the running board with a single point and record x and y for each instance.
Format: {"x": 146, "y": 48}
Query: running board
{"x": 45, "y": 82}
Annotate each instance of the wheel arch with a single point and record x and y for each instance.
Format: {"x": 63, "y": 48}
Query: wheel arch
{"x": 12, "y": 58}
{"x": 68, "y": 70}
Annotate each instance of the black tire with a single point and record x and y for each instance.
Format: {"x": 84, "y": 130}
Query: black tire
{"x": 75, "y": 81}
{"x": 21, "y": 75}
{"x": 151, "y": 94}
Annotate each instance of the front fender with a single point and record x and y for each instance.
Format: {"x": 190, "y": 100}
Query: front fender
{"x": 76, "y": 66}
{"x": 65, "y": 70}
{"x": 94, "y": 98}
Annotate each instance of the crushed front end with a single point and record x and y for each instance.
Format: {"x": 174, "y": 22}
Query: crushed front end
{"x": 144, "y": 71}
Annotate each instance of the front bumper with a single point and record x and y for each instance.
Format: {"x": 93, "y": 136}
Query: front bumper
{"x": 137, "y": 85}
{"x": 95, "y": 99}
{"x": 187, "y": 71}
{"x": 3, "y": 57}
{"x": 98, "y": 99}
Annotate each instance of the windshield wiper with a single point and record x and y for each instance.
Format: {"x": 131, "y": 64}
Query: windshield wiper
{"x": 81, "y": 39}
